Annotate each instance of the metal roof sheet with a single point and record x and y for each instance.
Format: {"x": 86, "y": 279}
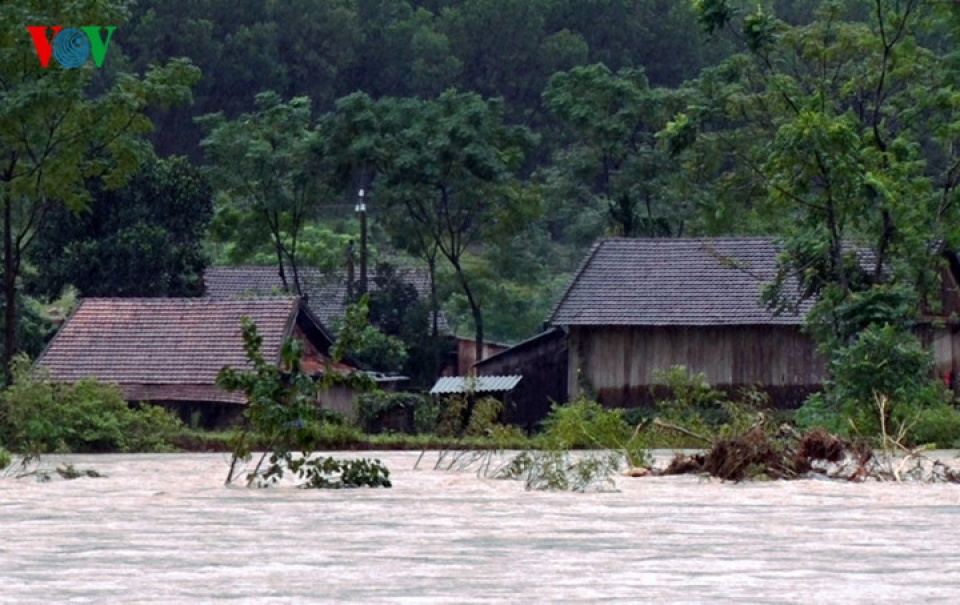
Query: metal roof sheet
{"x": 474, "y": 384}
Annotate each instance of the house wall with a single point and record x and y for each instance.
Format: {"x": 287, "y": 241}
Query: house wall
{"x": 618, "y": 363}
{"x": 944, "y": 343}
{"x": 543, "y": 366}
{"x": 467, "y": 353}
{"x": 338, "y": 399}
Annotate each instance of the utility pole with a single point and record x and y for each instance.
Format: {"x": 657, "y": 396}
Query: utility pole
{"x": 361, "y": 208}
{"x": 350, "y": 274}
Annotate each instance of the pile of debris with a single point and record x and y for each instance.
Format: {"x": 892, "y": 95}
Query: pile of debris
{"x": 786, "y": 454}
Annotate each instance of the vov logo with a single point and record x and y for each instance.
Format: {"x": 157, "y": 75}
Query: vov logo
{"x": 70, "y": 46}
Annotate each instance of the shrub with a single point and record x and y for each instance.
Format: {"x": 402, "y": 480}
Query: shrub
{"x": 373, "y": 408}
{"x": 283, "y": 413}
{"x": 691, "y": 402}
{"x": 585, "y": 424}
{"x": 697, "y": 407}
{"x": 883, "y": 362}
{"x": 41, "y": 417}
{"x": 5, "y": 459}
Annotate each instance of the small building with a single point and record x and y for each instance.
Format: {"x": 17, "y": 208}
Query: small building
{"x": 542, "y": 361}
{"x": 636, "y": 306}
{"x": 472, "y": 387}
{"x": 168, "y": 351}
{"x": 467, "y": 354}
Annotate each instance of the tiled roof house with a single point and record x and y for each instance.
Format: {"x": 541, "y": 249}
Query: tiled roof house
{"x": 636, "y": 306}
{"x": 169, "y": 350}
{"x": 326, "y": 293}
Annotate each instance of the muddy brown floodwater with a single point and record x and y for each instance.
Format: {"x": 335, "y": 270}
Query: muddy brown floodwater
{"x": 162, "y": 528}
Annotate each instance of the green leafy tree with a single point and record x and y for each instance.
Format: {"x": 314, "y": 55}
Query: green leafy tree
{"x": 449, "y": 169}
{"x": 61, "y": 128}
{"x": 366, "y": 343}
{"x": 612, "y": 161}
{"x": 144, "y": 239}
{"x": 261, "y": 164}
{"x": 832, "y": 121}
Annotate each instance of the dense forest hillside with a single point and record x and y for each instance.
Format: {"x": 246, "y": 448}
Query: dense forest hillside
{"x": 495, "y": 141}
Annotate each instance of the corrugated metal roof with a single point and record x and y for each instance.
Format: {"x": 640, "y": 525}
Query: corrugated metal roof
{"x": 474, "y": 384}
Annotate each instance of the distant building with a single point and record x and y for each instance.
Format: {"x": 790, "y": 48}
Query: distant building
{"x": 168, "y": 351}
{"x": 326, "y": 293}
{"x": 636, "y": 306}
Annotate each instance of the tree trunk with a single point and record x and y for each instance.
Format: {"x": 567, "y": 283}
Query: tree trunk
{"x": 474, "y": 310}
{"x": 434, "y": 303}
{"x": 283, "y": 274}
{"x": 9, "y": 292}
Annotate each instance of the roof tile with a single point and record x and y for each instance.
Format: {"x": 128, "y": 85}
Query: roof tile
{"x": 177, "y": 343}
{"x": 326, "y": 292}
{"x": 686, "y": 281}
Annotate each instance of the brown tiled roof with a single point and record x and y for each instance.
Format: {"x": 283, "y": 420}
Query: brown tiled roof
{"x": 326, "y": 292}
{"x": 165, "y": 348}
{"x": 664, "y": 282}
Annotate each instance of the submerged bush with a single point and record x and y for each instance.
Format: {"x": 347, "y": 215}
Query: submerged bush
{"x": 582, "y": 424}
{"x": 585, "y": 424}
{"x": 39, "y": 416}
{"x": 330, "y": 473}
{"x": 283, "y": 413}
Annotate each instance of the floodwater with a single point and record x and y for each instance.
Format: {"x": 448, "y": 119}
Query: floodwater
{"x": 163, "y": 528}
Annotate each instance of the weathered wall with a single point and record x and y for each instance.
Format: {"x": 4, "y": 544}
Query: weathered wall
{"x": 944, "y": 342}
{"x": 543, "y": 365}
{"x": 618, "y": 363}
{"x": 467, "y": 353}
{"x": 338, "y": 399}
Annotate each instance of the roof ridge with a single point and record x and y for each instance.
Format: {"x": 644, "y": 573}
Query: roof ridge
{"x": 188, "y": 299}
{"x": 731, "y": 238}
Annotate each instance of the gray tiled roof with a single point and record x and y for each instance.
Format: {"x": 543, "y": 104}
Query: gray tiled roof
{"x": 668, "y": 282}
{"x": 325, "y": 292}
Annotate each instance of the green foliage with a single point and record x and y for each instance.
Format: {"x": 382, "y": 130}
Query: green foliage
{"x": 556, "y": 471}
{"x": 373, "y": 408}
{"x": 580, "y": 424}
{"x": 5, "y": 459}
{"x": 713, "y": 15}
{"x": 701, "y": 412}
{"x": 145, "y": 239}
{"x": 330, "y": 473}
{"x": 283, "y": 412}
{"x": 61, "y": 129}
{"x": 613, "y": 162}
{"x": 269, "y": 181}
{"x": 40, "y": 417}
{"x": 447, "y": 176}
{"x": 883, "y": 362}
{"x": 585, "y": 424}
{"x": 367, "y": 344}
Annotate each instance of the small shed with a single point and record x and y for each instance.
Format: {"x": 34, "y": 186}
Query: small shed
{"x": 542, "y": 361}
{"x": 450, "y": 385}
